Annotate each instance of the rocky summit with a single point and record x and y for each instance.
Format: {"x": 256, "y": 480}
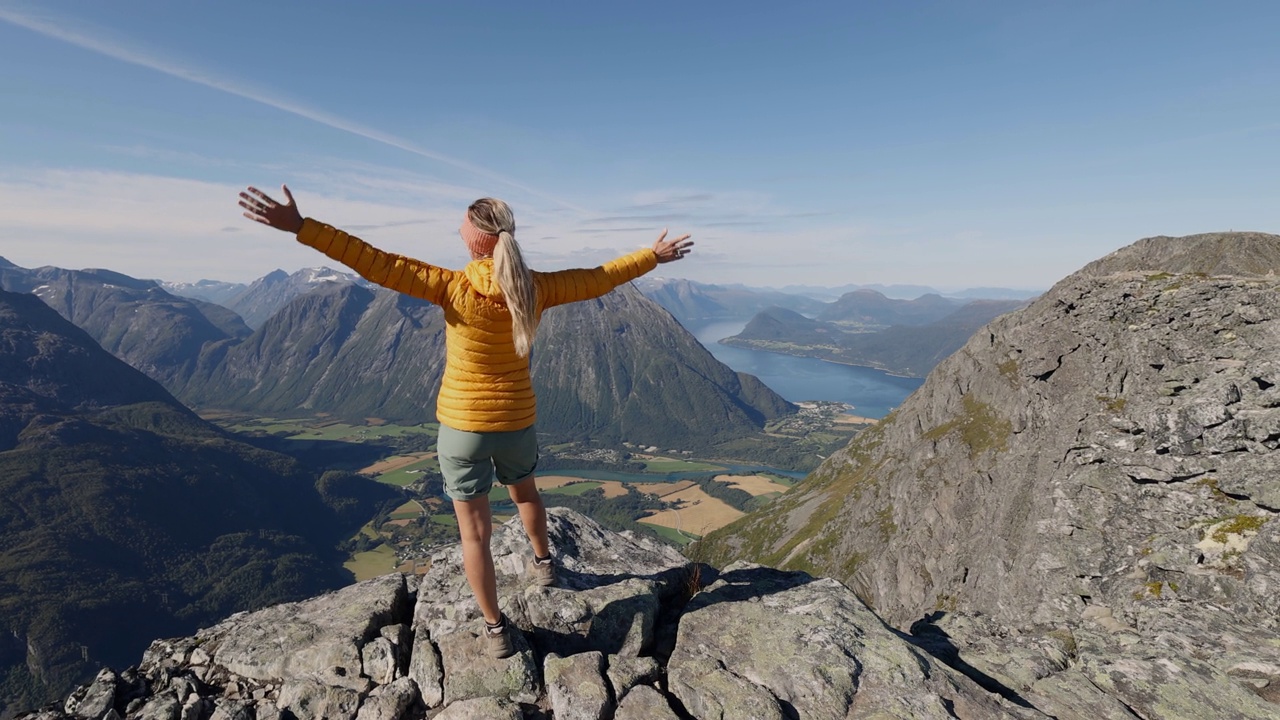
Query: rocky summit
{"x": 634, "y": 632}
{"x": 1078, "y": 508}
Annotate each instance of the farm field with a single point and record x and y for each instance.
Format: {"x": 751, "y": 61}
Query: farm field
{"x": 395, "y": 462}
{"x": 372, "y": 563}
{"x": 670, "y": 465}
{"x": 696, "y": 512}
{"x": 406, "y": 470}
{"x": 554, "y": 483}
{"x": 664, "y": 489}
{"x": 671, "y": 535}
{"x": 755, "y": 484}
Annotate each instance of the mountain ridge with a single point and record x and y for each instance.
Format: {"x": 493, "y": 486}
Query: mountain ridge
{"x": 1099, "y": 464}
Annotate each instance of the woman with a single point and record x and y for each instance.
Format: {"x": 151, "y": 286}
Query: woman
{"x": 486, "y": 405}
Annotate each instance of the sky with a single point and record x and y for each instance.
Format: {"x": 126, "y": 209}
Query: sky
{"x": 953, "y": 144}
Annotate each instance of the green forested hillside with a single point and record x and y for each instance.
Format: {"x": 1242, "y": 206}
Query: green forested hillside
{"x": 124, "y": 517}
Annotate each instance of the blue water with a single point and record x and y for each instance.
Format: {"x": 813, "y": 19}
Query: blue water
{"x": 873, "y": 393}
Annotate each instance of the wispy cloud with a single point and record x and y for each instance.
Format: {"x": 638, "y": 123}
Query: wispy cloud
{"x": 94, "y": 40}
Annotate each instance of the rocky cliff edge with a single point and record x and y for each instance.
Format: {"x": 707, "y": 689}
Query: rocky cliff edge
{"x": 634, "y": 632}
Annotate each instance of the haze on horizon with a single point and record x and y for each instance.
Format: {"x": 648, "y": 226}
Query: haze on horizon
{"x": 951, "y": 144}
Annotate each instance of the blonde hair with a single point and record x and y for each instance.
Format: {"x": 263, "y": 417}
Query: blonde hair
{"x": 514, "y": 277}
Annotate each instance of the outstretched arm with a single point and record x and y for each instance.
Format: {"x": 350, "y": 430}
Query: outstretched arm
{"x": 566, "y": 286}
{"x": 397, "y": 272}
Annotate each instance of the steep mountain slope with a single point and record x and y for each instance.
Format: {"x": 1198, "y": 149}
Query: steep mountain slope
{"x": 1100, "y": 465}
{"x": 265, "y": 296}
{"x": 160, "y": 334}
{"x": 343, "y": 349}
{"x": 615, "y": 368}
{"x": 48, "y": 367}
{"x": 621, "y": 368}
{"x": 125, "y": 517}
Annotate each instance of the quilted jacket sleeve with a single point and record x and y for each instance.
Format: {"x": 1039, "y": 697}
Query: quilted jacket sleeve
{"x": 566, "y": 286}
{"x": 397, "y": 272}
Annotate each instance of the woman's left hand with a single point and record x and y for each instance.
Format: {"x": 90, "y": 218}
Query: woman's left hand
{"x": 671, "y": 250}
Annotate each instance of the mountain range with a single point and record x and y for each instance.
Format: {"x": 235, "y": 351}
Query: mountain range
{"x": 344, "y": 348}
{"x": 214, "y": 291}
{"x": 126, "y": 517}
{"x": 863, "y": 327}
{"x": 908, "y": 292}
{"x": 265, "y": 296}
{"x": 691, "y": 301}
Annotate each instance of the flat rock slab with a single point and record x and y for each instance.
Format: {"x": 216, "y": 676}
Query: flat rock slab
{"x": 388, "y": 702}
{"x": 320, "y": 638}
{"x": 489, "y": 708}
{"x": 644, "y": 703}
{"x": 812, "y": 645}
{"x": 576, "y": 686}
{"x": 470, "y": 672}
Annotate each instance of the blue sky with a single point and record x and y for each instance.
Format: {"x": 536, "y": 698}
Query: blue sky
{"x": 954, "y": 144}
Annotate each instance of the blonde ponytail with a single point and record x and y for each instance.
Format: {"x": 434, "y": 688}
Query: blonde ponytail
{"x": 513, "y": 276}
{"x": 516, "y": 282}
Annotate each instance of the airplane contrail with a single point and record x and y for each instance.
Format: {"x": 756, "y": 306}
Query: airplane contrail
{"x": 134, "y": 57}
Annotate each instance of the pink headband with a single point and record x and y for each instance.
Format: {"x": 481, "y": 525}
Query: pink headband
{"x": 478, "y": 242}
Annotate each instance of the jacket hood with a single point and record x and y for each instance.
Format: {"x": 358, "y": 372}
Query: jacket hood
{"x": 480, "y": 274}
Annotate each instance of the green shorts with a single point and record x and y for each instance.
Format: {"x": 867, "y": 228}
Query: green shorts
{"x": 470, "y": 461}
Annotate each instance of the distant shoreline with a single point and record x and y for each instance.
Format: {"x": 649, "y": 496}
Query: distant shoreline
{"x": 886, "y": 371}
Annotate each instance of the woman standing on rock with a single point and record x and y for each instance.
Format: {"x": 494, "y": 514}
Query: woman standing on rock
{"x": 486, "y": 405}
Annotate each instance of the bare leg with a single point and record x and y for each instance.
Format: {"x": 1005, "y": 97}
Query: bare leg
{"x": 475, "y": 525}
{"x": 532, "y": 513}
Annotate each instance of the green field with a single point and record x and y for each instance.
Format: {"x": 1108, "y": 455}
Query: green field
{"x": 409, "y": 474}
{"x": 447, "y": 519}
{"x": 373, "y": 563}
{"x": 668, "y": 465}
{"x": 671, "y": 534}
{"x": 407, "y": 511}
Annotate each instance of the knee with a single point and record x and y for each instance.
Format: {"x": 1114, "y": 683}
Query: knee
{"x": 475, "y": 536}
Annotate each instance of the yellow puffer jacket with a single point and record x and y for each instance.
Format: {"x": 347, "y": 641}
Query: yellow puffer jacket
{"x": 486, "y": 386}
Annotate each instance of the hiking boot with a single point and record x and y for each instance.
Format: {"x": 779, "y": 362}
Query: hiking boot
{"x": 498, "y": 640}
{"x": 543, "y": 573}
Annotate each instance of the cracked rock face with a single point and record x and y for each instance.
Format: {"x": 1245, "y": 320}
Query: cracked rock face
{"x": 1102, "y": 461}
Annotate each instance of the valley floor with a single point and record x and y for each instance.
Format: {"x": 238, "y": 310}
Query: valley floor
{"x": 665, "y": 492}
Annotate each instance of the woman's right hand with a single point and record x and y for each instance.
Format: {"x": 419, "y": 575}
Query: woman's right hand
{"x": 260, "y": 207}
{"x": 671, "y": 250}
